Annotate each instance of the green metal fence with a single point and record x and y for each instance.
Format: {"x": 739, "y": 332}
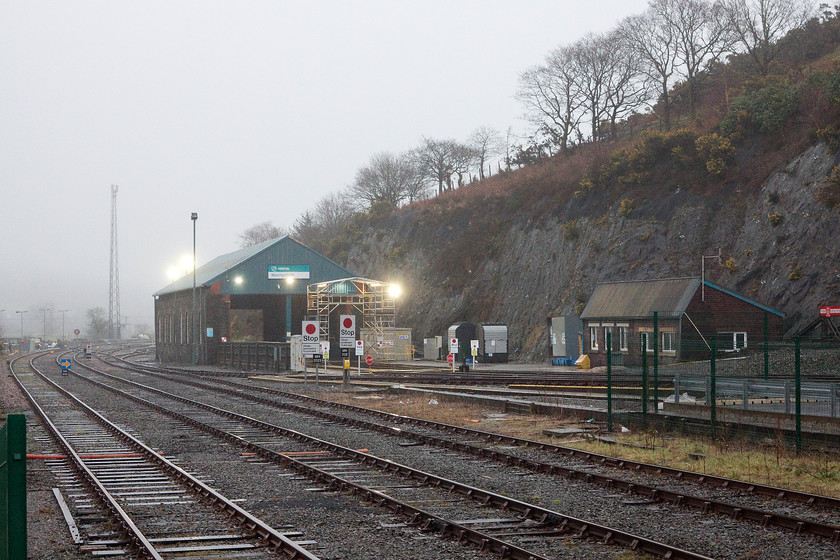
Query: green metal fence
{"x": 13, "y": 488}
{"x": 724, "y": 386}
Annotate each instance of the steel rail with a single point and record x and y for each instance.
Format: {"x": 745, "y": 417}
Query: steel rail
{"x": 279, "y": 542}
{"x": 125, "y": 525}
{"x": 626, "y": 464}
{"x": 706, "y": 505}
{"x": 564, "y": 523}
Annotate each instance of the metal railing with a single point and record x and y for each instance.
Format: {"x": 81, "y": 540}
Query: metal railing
{"x": 13, "y": 488}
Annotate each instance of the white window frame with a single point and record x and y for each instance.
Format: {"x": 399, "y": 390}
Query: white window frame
{"x": 648, "y": 342}
{"x": 622, "y": 338}
{"x": 672, "y": 337}
{"x": 593, "y": 338}
{"x": 734, "y": 347}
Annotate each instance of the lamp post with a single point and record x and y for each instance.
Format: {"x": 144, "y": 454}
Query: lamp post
{"x": 62, "y": 311}
{"x": 21, "y": 324}
{"x": 194, "y": 218}
{"x": 44, "y": 311}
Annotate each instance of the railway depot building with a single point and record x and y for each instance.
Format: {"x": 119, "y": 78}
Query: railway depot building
{"x": 254, "y": 294}
{"x": 691, "y": 315}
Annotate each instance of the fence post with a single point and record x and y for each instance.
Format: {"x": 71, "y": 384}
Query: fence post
{"x": 609, "y": 382}
{"x": 766, "y": 349}
{"x": 13, "y": 488}
{"x": 745, "y": 405}
{"x": 677, "y": 388}
{"x": 712, "y": 395}
{"x": 787, "y": 396}
{"x": 644, "y": 379}
{"x": 798, "y": 382}
{"x": 656, "y": 362}
{"x": 833, "y": 401}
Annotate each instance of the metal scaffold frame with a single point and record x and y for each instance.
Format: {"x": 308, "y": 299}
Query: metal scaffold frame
{"x": 374, "y": 299}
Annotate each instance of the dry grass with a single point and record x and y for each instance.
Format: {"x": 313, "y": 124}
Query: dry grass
{"x": 817, "y": 473}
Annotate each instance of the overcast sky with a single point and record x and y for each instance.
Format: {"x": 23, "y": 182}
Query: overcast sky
{"x": 241, "y": 111}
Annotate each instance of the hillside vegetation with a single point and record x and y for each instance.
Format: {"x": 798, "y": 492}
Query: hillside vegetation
{"x": 753, "y": 174}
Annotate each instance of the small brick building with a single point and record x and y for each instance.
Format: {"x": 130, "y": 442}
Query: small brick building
{"x": 690, "y": 315}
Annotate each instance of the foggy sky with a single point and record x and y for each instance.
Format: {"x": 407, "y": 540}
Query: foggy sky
{"x": 241, "y": 111}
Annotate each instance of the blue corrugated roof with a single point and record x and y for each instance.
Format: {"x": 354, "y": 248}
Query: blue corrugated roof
{"x": 215, "y": 269}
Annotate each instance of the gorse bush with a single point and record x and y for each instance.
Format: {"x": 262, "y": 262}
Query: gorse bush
{"x": 765, "y": 110}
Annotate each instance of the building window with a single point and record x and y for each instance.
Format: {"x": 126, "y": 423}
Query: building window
{"x": 609, "y": 331}
{"x": 593, "y": 338}
{"x": 731, "y": 341}
{"x": 648, "y": 340}
{"x": 668, "y": 342}
{"x": 622, "y": 339}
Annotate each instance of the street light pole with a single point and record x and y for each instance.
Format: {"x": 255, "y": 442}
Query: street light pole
{"x": 44, "y": 311}
{"x": 21, "y": 324}
{"x": 62, "y": 311}
{"x": 194, "y": 218}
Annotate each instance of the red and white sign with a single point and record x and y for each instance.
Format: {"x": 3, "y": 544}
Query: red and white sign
{"x": 310, "y": 338}
{"x": 829, "y": 311}
{"x": 453, "y": 345}
{"x": 360, "y": 347}
{"x": 369, "y": 360}
{"x": 450, "y": 358}
{"x": 77, "y": 332}
{"x": 346, "y": 331}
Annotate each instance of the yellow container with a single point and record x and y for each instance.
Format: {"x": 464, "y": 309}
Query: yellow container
{"x": 583, "y": 362}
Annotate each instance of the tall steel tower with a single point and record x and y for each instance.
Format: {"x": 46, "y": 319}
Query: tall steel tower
{"x": 114, "y": 292}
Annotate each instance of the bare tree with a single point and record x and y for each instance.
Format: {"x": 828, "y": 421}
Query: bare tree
{"x": 390, "y": 178}
{"x": 552, "y": 97}
{"x": 626, "y": 88}
{"x": 439, "y": 160}
{"x": 486, "y": 143}
{"x": 333, "y": 212}
{"x": 593, "y": 60}
{"x": 327, "y": 220}
{"x": 97, "y": 323}
{"x": 703, "y": 34}
{"x": 655, "y": 43}
{"x": 260, "y": 233}
{"x": 759, "y": 24}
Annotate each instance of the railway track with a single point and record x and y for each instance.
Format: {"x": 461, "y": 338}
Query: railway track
{"x": 452, "y": 437}
{"x": 131, "y": 501}
{"x": 517, "y": 529}
{"x": 765, "y": 519}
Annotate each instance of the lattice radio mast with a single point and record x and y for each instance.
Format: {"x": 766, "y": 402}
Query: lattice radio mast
{"x": 114, "y": 292}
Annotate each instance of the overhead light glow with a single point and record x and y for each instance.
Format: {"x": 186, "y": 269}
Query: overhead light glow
{"x": 290, "y": 280}
{"x": 394, "y": 290}
{"x": 238, "y": 280}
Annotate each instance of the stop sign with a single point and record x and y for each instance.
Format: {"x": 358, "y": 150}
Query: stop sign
{"x": 450, "y": 358}
{"x": 369, "y": 360}
{"x": 76, "y": 332}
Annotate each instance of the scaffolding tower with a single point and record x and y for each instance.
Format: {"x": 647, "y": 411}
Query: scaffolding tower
{"x": 114, "y": 289}
{"x": 373, "y": 299}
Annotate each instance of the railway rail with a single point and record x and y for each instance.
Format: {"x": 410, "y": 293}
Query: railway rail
{"x": 451, "y": 513}
{"x": 145, "y": 504}
{"x": 657, "y": 492}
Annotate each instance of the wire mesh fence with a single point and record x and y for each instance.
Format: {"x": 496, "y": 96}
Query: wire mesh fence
{"x": 725, "y": 385}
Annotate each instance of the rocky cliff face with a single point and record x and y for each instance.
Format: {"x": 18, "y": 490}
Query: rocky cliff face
{"x": 548, "y": 261}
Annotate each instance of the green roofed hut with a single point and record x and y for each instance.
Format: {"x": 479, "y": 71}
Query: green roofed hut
{"x": 255, "y": 294}
{"x": 690, "y": 314}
